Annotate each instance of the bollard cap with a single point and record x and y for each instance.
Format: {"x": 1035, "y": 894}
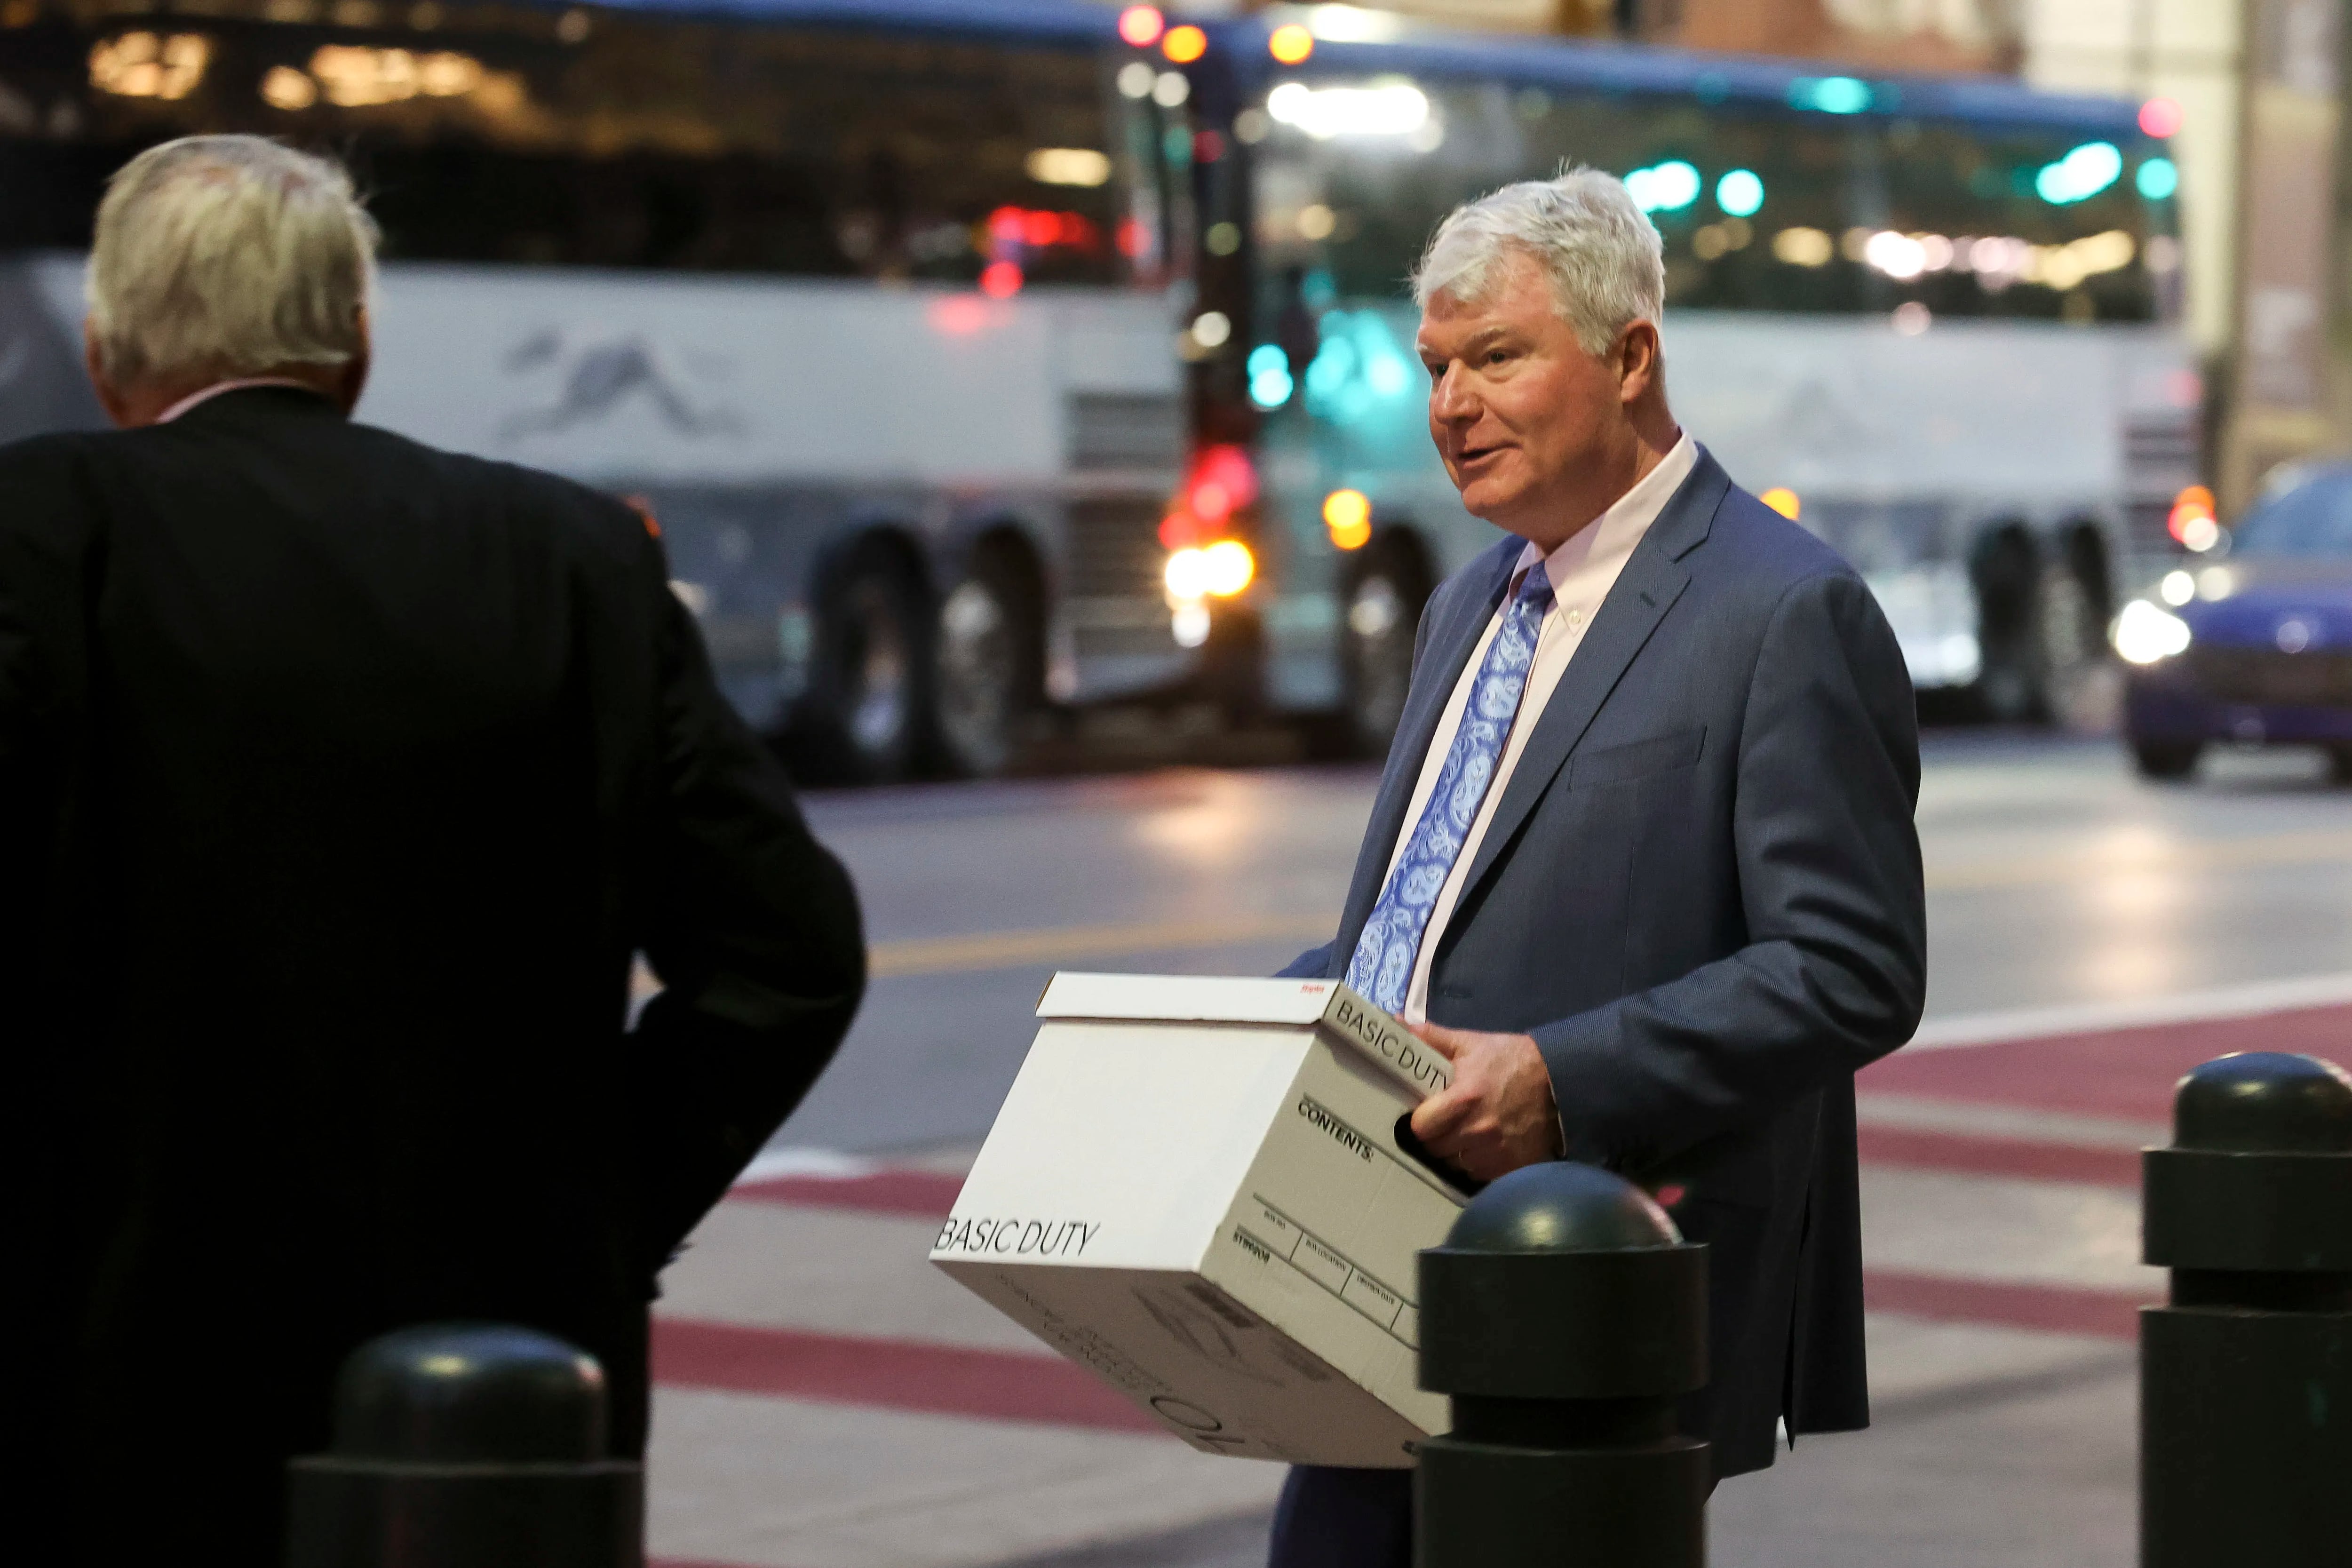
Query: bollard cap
{"x": 2264, "y": 1102}
{"x": 468, "y": 1393}
{"x": 1563, "y": 1281}
{"x": 1561, "y": 1207}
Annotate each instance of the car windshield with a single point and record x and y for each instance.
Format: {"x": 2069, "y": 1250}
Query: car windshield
{"x": 2314, "y": 518}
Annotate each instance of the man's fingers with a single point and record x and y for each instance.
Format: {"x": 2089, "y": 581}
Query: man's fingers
{"x": 1447, "y": 1043}
{"x": 1441, "y": 1115}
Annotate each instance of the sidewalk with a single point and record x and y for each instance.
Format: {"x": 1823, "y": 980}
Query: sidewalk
{"x": 827, "y": 1400}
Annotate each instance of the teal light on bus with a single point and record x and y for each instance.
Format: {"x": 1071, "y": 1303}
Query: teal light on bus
{"x": 1360, "y": 371}
{"x": 1831, "y": 94}
{"x": 1739, "y": 193}
{"x": 2080, "y": 174}
{"x": 2158, "y": 179}
{"x": 1269, "y": 376}
{"x": 1669, "y": 186}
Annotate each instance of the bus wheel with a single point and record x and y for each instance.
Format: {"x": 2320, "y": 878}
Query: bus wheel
{"x": 991, "y": 655}
{"x": 2165, "y": 759}
{"x": 2005, "y": 569}
{"x": 1379, "y": 613}
{"x": 2081, "y": 689}
{"x": 871, "y": 685}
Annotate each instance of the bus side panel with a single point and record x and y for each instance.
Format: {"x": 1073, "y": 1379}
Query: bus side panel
{"x": 43, "y": 387}
{"x": 619, "y": 379}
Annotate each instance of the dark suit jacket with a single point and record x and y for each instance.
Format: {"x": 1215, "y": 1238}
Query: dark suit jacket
{"x": 340, "y": 778}
{"x": 1701, "y": 894}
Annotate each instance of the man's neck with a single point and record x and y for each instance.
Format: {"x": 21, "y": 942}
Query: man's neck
{"x": 1554, "y": 526}
{"x": 151, "y": 402}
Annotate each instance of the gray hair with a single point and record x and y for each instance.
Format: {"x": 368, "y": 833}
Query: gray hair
{"x": 225, "y": 256}
{"x": 1601, "y": 252}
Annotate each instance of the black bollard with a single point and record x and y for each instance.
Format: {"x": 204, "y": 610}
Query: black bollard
{"x": 467, "y": 1446}
{"x": 1564, "y": 1316}
{"x": 2246, "y": 1375}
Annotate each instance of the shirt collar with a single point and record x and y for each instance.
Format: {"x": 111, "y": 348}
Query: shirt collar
{"x": 218, "y": 387}
{"x": 1612, "y": 535}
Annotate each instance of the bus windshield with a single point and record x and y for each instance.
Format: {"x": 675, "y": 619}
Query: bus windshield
{"x": 1760, "y": 209}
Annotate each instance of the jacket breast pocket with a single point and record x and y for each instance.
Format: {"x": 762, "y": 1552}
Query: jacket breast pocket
{"x": 1637, "y": 759}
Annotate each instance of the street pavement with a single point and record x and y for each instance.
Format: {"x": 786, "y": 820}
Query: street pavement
{"x": 827, "y": 1400}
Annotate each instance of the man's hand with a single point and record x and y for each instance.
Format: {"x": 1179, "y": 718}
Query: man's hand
{"x": 1499, "y": 1114}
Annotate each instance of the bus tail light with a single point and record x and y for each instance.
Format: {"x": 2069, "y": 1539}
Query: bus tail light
{"x": 1216, "y": 570}
{"x": 2193, "y": 520}
{"x": 1222, "y": 481}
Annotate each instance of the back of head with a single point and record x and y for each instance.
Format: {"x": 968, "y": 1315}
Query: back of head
{"x": 219, "y": 256}
{"x": 1603, "y": 256}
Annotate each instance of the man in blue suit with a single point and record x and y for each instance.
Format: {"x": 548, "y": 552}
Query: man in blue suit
{"x": 1643, "y": 861}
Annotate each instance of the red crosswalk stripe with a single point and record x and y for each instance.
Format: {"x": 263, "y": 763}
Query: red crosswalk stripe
{"x": 894, "y": 1374}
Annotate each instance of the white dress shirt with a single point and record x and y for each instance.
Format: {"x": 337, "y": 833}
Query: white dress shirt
{"x": 217, "y": 388}
{"x": 1582, "y": 570}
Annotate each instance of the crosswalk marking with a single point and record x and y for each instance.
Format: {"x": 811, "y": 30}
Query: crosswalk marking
{"x": 825, "y": 1400}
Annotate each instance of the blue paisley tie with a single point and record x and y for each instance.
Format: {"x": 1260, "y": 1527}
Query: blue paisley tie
{"x": 1381, "y": 969}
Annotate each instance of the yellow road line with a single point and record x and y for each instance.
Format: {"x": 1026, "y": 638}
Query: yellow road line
{"x": 1056, "y": 945}
{"x": 1070, "y": 945}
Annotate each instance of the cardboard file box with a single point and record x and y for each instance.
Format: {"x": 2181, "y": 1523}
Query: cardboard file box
{"x": 1196, "y": 1191}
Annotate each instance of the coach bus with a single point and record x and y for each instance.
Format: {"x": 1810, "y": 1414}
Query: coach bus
{"x": 871, "y": 306}
{"x": 978, "y": 357}
{"x": 1934, "y": 320}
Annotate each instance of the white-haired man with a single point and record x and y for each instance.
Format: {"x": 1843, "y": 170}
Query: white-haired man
{"x": 339, "y": 780}
{"x": 1642, "y": 862}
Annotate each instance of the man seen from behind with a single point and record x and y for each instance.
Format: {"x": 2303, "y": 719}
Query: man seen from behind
{"x": 341, "y": 779}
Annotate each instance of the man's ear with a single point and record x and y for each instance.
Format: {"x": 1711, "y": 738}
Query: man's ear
{"x": 353, "y": 379}
{"x": 1637, "y": 360}
{"x": 108, "y": 397}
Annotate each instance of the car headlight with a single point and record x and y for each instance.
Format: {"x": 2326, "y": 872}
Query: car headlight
{"x": 2144, "y": 633}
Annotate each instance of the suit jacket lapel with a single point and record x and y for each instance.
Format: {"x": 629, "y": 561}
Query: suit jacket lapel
{"x": 1450, "y": 645}
{"x": 1653, "y": 580}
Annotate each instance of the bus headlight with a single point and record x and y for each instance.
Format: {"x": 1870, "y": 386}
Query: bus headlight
{"x": 1213, "y": 571}
{"x": 2145, "y": 634}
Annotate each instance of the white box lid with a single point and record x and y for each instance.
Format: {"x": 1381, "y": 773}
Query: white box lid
{"x": 1186, "y": 999}
{"x": 1339, "y": 1012}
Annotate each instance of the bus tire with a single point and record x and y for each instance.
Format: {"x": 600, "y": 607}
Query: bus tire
{"x": 869, "y": 700}
{"x": 988, "y": 649}
{"x": 2012, "y": 675}
{"x": 2166, "y": 761}
{"x": 1380, "y": 612}
{"x": 2073, "y": 603}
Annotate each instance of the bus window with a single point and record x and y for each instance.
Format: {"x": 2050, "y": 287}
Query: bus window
{"x": 1760, "y": 209}
{"x": 1764, "y": 240}
{"x": 1991, "y": 241}
{"x": 606, "y": 138}
{"x": 1360, "y": 207}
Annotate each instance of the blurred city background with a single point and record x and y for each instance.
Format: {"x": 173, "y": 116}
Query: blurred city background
{"x": 1024, "y": 393}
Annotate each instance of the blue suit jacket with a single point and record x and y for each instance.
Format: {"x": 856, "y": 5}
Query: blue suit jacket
{"x": 1701, "y": 894}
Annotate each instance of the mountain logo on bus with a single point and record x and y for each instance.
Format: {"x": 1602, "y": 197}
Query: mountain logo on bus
{"x": 599, "y": 378}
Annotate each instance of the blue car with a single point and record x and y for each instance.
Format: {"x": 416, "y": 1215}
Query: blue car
{"x": 2254, "y": 643}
